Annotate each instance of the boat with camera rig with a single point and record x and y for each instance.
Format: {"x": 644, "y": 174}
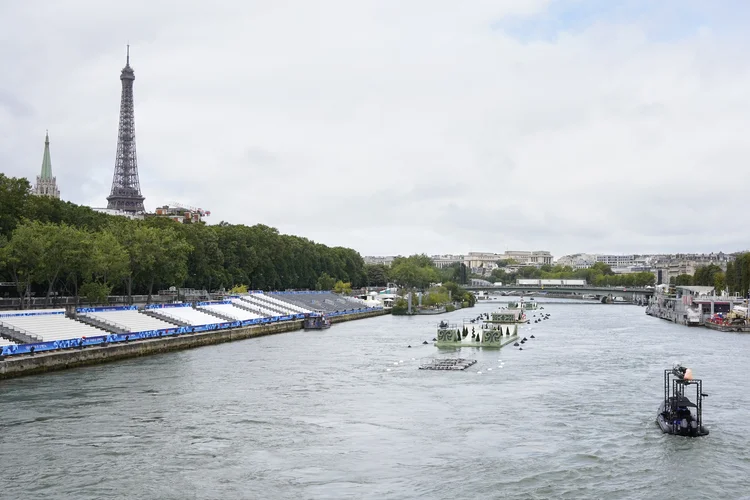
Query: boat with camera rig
{"x": 677, "y": 414}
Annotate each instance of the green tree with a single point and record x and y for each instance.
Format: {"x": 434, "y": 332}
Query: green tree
{"x": 683, "y": 280}
{"x": 342, "y": 288}
{"x": 730, "y": 278}
{"x": 720, "y": 282}
{"x": 377, "y": 274}
{"x": 14, "y": 194}
{"x": 326, "y": 282}
{"x": 107, "y": 265}
{"x": 23, "y": 257}
{"x": 206, "y": 259}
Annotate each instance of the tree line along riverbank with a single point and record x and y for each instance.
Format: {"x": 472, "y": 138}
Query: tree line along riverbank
{"x": 49, "y": 246}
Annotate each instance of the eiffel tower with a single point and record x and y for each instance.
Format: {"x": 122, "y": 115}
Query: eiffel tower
{"x": 126, "y": 190}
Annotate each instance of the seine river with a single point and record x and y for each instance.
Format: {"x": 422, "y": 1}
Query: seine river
{"x": 319, "y": 415}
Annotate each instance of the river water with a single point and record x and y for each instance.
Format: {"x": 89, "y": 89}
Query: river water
{"x": 319, "y": 415}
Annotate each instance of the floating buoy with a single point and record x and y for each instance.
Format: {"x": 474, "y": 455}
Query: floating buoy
{"x": 425, "y": 343}
{"x": 520, "y": 348}
{"x": 408, "y": 346}
{"x": 533, "y": 337}
{"x": 516, "y": 344}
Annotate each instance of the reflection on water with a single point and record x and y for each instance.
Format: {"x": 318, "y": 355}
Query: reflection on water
{"x": 318, "y": 415}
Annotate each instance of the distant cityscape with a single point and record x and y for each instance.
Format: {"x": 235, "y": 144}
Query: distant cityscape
{"x": 663, "y": 266}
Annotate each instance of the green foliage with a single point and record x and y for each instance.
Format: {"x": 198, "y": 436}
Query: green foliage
{"x": 506, "y": 262}
{"x": 325, "y": 282}
{"x": 342, "y": 288}
{"x": 737, "y": 275}
{"x": 14, "y": 194}
{"x": 377, "y": 274}
{"x": 710, "y": 275}
{"x": 457, "y": 272}
{"x": 681, "y": 280}
{"x": 238, "y": 289}
{"x": 416, "y": 271}
{"x": 400, "y": 306}
{"x": 96, "y": 293}
{"x": 706, "y": 275}
{"x": 61, "y": 246}
{"x": 435, "y": 297}
{"x": 720, "y": 281}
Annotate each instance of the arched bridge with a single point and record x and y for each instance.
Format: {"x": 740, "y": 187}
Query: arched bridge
{"x": 599, "y": 291}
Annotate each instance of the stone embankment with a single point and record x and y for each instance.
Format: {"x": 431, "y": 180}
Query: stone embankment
{"x": 17, "y": 366}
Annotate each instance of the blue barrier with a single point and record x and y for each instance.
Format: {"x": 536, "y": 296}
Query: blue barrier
{"x": 106, "y": 309}
{"x": 30, "y": 313}
{"x": 216, "y": 302}
{"x": 10, "y": 350}
{"x": 166, "y": 306}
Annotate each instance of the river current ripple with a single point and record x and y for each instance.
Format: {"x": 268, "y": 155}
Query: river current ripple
{"x": 318, "y": 415}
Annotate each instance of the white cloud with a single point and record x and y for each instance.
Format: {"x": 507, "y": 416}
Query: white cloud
{"x": 392, "y": 127}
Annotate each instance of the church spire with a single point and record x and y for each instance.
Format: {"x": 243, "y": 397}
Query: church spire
{"x": 46, "y": 185}
{"x": 46, "y": 161}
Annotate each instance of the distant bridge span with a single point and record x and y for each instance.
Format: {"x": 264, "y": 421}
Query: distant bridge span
{"x": 599, "y": 291}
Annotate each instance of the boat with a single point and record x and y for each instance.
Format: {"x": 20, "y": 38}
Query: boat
{"x": 690, "y": 305}
{"x": 678, "y": 415}
{"x": 318, "y": 322}
{"x": 488, "y": 330}
{"x": 531, "y": 305}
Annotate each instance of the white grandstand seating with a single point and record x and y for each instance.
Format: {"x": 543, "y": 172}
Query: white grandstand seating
{"x": 326, "y": 301}
{"x": 260, "y": 306}
{"x": 133, "y": 321}
{"x": 282, "y": 308}
{"x": 288, "y": 305}
{"x": 51, "y": 327}
{"x": 4, "y": 342}
{"x": 231, "y": 311}
{"x": 188, "y": 315}
{"x": 253, "y": 306}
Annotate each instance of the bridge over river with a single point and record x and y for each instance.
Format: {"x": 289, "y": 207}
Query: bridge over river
{"x": 599, "y": 292}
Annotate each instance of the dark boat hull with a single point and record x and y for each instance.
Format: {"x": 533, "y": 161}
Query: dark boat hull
{"x": 324, "y": 327}
{"x": 680, "y": 428}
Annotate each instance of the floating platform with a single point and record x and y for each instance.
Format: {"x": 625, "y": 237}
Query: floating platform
{"x": 489, "y": 334}
{"x": 448, "y": 364}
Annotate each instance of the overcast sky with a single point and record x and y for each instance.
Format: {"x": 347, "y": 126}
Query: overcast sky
{"x": 403, "y": 126}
